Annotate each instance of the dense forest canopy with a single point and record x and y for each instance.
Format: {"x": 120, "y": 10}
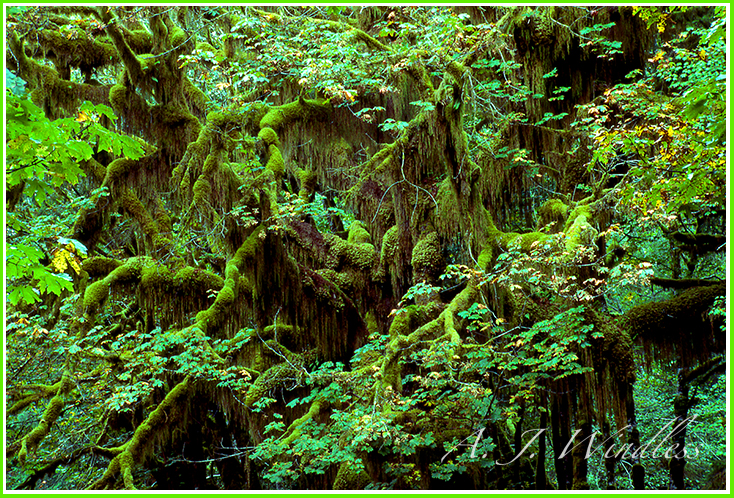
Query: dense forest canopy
{"x": 365, "y": 247}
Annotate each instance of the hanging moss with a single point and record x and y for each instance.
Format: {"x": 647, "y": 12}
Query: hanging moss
{"x": 165, "y": 417}
{"x": 75, "y": 49}
{"x": 196, "y": 98}
{"x": 678, "y": 325}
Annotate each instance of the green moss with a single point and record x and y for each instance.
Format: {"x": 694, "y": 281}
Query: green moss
{"x": 140, "y": 40}
{"x": 358, "y": 233}
{"x": 100, "y": 266}
{"x": 580, "y": 232}
{"x": 269, "y": 379}
{"x": 248, "y": 250}
{"x": 448, "y": 206}
{"x": 119, "y": 168}
{"x": 96, "y": 294}
{"x": 198, "y": 280}
{"x": 340, "y": 279}
{"x": 269, "y": 136}
{"x": 194, "y": 95}
{"x": 370, "y": 322}
{"x": 390, "y": 243}
{"x": 133, "y": 205}
{"x": 529, "y": 241}
{"x": 127, "y": 273}
{"x": 155, "y": 276}
{"x": 308, "y": 180}
{"x": 347, "y": 477}
{"x": 205, "y": 47}
{"x": 427, "y": 258}
{"x": 177, "y": 37}
{"x": 580, "y": 210}
{"x": 299, "y": 109}
{"x": 552, "y": 211}
{"x": 341, "y": 252}
{"x": 275, "y": 162}
{"x": 202, "y": 190}
{"x": 225, "y": 297}
{"x": 486, "y": 258}
{"x": 118, "y": 97}
{"x": 211, "y": 164}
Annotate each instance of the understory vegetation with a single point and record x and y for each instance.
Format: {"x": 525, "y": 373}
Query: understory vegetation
{"x": 365, "y": 248}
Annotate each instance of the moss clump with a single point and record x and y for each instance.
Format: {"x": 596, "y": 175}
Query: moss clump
{"x": 347, "y": 477}
{"x": 269, "y": 136}
{"x": 275, "y": 162}
{"x": 177, "y": 37}
{"x": 341, "y": 252}
{"x": 205, "y": 47}
{"x": 225, "y": 119}
{"x": 279, "y": 116}
{"x": 486, "y": 257}
{"x": 197, "y": 280}
{"x": 427, "y": 259}
{"x": 580, "y": 210}
{"x": 552, "y": 211}
{"x": 155, "y": 276}
{"x": 140, "y": 40}
{"x": 580, "y": 232}
{"x": 100, "y": 266}
{"x": 225, "y": 297}
{"x": 202, "y": 190}
{"x": 308, "y": 181}
{"x": 96, "y": 294}
{"x": 270, "y": 379}
{"x": 358, "y": 233}
{"x": 389, "y": 243}
{"x": 681, "y": 316}
{"x": 528, "y": 241}
{"x": 128, "y": 273}
{"x": 119, "y": 168}
{"x": 340, "y": 279}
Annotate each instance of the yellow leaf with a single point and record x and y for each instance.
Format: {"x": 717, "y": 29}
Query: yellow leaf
{"x": 59, "y": 262}
{"x": 82, "y": 117}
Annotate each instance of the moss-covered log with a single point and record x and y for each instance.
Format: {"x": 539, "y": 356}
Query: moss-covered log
{"x": 680, "y": 325}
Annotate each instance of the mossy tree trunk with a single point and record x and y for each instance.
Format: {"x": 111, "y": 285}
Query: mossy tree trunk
{"x": 299, "y": 249}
